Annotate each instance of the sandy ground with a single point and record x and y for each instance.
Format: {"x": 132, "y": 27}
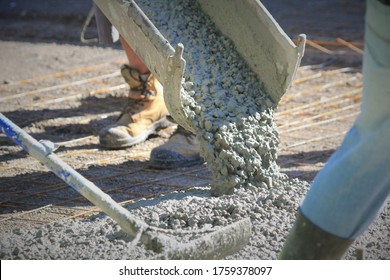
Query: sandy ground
{"x": 39, "y": 39}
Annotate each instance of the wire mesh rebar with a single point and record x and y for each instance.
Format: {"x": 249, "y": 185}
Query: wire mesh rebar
{"x": 312, "y": 117}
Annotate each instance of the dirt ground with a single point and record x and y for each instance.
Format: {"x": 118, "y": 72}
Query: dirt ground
{"x": 56, "y": 88}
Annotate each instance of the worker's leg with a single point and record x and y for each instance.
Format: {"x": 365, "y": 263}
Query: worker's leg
{"x": 107, "y": 35}
{"x": 348, "y": 193}
{"x": 134, "y": 60}
{"x": 344, "y": 198}
{"x": 145, "y": 113}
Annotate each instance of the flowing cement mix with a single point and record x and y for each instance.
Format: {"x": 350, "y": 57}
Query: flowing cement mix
{"x": 231, "y": 114}
{"x": 234, "y": 121}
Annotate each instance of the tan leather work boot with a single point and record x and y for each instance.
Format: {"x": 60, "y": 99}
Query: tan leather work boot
{"x": 144, "y": 115}
{"x": 181, "y": 150}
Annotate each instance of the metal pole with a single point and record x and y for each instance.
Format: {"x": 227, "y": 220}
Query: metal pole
{"x": 43, "y": 151}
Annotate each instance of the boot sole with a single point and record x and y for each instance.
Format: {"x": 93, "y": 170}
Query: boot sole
{"x": 131, "y": 141}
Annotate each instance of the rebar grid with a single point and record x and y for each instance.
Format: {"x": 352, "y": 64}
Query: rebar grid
{"x": 319, "y": 107}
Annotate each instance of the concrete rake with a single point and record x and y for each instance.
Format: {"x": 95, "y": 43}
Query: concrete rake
{"x": 211, "y": 245}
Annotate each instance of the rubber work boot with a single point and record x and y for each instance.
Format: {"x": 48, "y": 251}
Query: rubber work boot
{"x": 144, "y": 115}
{"x": 181, "y": 150}
{"x": 308, "y": 242}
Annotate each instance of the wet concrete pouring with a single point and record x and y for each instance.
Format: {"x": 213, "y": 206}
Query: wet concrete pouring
{"x": 311, "y": 118}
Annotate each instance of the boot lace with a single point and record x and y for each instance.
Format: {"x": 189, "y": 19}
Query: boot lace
{"x": 144, "y": 87}
{"x": 132, "y": 107}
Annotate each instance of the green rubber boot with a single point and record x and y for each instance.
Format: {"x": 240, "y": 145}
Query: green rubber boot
{"x": 308, "y": 242}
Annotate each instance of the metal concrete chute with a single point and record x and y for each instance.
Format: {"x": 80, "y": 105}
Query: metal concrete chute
{"x": 259, "y": 40}
{"x": 257, "y": 37}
